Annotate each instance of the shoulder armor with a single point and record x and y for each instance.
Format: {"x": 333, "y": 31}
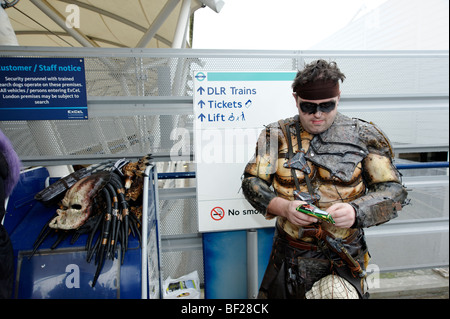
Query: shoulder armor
{"x": 375, "y": 139}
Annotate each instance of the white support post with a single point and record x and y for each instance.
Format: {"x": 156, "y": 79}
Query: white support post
{"x": 182, "y": 25}
{"x": 252, "y": 263}
{"x": 7, "y": 35}
{"x": 157, "y": 23}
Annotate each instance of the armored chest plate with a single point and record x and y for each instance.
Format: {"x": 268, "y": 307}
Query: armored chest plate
{"x": 339, "y": 149}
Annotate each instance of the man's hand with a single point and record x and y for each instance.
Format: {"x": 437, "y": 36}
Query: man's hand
{"x": 343, "y": 214}
{"x": 285, "y": 208}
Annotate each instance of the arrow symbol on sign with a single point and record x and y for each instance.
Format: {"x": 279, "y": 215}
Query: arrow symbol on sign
{"x": 201, "y": 117}
{"x": 200, "y": 90}
{"x": 201, "y": 103}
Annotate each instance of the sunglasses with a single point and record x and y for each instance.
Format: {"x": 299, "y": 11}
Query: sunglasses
{"x": 312, "y": 108}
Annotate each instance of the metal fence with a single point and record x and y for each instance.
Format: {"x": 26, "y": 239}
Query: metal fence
{"x": 138, "y": 98}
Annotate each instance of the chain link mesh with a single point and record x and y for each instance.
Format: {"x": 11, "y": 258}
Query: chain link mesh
{"x": 169, "y": 74}
{"x": 146, "y": 76}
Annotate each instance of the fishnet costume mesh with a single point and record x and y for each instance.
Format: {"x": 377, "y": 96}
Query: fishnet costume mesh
{"x": 332, "y": 287}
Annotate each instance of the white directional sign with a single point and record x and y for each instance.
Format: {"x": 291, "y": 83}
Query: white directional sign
{"x": 231, "y": 109}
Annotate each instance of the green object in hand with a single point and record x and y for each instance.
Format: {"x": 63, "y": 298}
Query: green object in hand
{"x": 312, "y": 210}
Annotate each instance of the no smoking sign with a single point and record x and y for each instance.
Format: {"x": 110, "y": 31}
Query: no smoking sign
{"x": 217, "y": 213}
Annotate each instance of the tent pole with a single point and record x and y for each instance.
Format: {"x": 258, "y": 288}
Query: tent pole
{"x": 45, "y": 7}
{"x": 157, "y": 23}
{"x": 182, "y": 25}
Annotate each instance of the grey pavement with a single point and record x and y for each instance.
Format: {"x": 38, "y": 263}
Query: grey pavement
{"x": 430, "y": 283}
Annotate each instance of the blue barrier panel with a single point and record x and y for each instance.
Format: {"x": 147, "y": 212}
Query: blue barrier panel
{"x": 22, "y": 198}
{"x": 225, "y": 262}
{"x": 63, "y": 272}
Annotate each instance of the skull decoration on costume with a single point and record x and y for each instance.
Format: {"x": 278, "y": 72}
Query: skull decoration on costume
{"x": 76, "y": 203}
{"x": 96, "y": 202}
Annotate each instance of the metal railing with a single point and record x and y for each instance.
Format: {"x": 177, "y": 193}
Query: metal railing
{"x": 137, "y": 98}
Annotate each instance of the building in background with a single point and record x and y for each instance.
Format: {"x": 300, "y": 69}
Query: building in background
{"x": 394, "y": 25}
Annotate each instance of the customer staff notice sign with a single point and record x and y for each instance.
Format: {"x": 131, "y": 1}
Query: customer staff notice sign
{"x": 230, "y": 111}
{"x": 42, "y": 89}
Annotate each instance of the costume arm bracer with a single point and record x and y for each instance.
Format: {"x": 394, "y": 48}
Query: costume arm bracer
{"x": 385, "y": 195}
{"x": 379, "y": 205}
{"x": 258, "y": 174}
{"x": 258, "y": 193}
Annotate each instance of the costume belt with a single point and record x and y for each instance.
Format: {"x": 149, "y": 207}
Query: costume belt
{"x": 295, "y": 242}
{"x": 325, "y": 239}
{"x": 311, "y": 232}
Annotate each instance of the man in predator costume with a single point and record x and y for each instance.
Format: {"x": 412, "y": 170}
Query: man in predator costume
{"x": 341, "y": 165}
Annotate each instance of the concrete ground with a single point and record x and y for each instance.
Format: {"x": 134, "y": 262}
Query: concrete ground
{"x": 412, "y": 284}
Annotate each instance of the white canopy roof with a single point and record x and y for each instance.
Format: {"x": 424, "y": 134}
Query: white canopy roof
{"x": 104, "y": 23}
